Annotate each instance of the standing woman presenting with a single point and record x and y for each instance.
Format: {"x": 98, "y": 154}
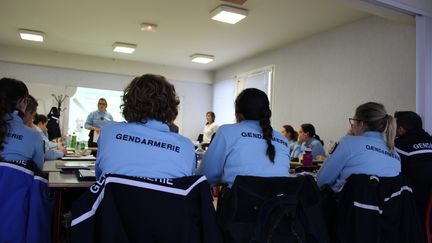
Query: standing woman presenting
{"x": 96, "y": 120}
{"x": 210, "y": 127}
{"x": 17, "y": 141}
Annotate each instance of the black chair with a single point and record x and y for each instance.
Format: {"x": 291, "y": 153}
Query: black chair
{"x": 200, "y": 138}
{"x": 376, "y": 209}
{"x": 428, "y": 219}
{"x": 271, "y": 209}
{"x": 129, "y": 209}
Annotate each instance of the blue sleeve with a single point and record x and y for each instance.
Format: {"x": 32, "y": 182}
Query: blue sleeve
{"x": 53, "y": 154}
{"x": 89, "y": 121}
{"x": 214, "y": 160}
{"x": 98, "y": 171}
{"x": 38, "y": 155}
{"x": 333, "y": 165}
{"x": 110, "y": 117}
{"x": 297, "y": 150}
{"x": 317, "y": 149}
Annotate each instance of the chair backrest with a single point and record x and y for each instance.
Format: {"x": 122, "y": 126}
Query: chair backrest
{"x": 21, "y": 205}
{"x": 128, "y": 209}
{"x": 377, "y": 209}
{"x": 271, "y": 209}
{"x": 428, "y": 219}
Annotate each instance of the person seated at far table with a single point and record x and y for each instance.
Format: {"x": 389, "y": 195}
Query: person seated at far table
{"x": 144, "y": 146}
{"x": 291, "y": 134}
{"x": 307, "y": 138}
{"x": 249, "y": 147}
{"x": 414, "y": 146}
{"x": 53, "y": 150}
{"x": 367, "y": 149}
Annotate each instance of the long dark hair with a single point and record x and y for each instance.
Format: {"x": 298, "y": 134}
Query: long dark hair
{"x": 11, "y": 91}
{"x": 213, "y": 116}
{"x": 309, "y": 128}
{"x": 254, "y": 104}
{"x": 289, "y": 129}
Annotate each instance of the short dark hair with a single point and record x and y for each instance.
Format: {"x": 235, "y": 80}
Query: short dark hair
{"x": 40, "y": 118}
{"x": 32, "y": 104}
{"x": 408, "y": 120}
{"x": 150, "y": 97}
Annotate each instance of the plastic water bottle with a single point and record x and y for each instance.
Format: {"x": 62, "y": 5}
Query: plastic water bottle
{"x": 73, "y": 143}
{"x": 307, "y": 157}
{"x": 67, "y": 142}
{"x": 199, "y": 154}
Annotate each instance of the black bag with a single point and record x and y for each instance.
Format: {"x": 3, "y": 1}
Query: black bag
{"x": 273, "y": 209}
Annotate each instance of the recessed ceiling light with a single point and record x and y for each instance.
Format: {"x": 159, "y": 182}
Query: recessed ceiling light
{"x": 124, "y": 47}
{"x": 228, "y": 14}
{"x": 31, "y": 35}
{"x": 148, "y": 27}
{"x": 202, "y": 58}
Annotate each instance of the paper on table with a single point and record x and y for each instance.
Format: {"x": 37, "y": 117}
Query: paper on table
{"x": 95, "y": 137}
{"x": 78, "y": 158}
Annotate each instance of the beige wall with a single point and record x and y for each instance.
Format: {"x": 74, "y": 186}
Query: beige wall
{"x": 322, "y": 79}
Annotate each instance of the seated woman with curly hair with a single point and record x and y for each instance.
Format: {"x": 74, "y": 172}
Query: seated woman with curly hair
{"x": 144, "y": 146}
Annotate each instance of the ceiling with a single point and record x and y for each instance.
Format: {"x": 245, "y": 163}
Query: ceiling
{"x": 90, "y": 27}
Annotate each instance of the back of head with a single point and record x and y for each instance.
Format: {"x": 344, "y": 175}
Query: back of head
{"x": 310, "y": 129}
{"x": 39, "y": 118}
{"x": 253, "y": 104}
{"x": 32, "y": 104}
{"x": 150, "y": 97}
{"x": 408, "y": 120}
{"x": 290, "y": 129}
{"x": 375, "y": 116}
{"x": 11, "y": 91}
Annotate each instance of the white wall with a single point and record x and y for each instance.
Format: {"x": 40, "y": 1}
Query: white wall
{"x": 43, "y": 81}
{"x": 322, "y": 79}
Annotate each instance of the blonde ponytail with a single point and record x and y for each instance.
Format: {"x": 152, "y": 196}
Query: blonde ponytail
{"x": 390, "y": 133}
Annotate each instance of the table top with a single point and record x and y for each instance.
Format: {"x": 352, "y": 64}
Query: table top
{"x": 66, "y": 180}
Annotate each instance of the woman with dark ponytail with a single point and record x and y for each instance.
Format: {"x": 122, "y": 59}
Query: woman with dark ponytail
{"x": 17, "y": 141}
{"x": 307, "y": 138}
{"x": 249, "y": 147}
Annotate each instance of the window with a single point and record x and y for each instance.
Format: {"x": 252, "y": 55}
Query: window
{"x": 85, "y": 101}
{"x": 260, "y": 78}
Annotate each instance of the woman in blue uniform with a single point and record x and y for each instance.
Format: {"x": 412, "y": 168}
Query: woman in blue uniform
{"x": 96, "y": 120}
{"x": 249, "y": 147}
{"x": 368, "y": 149}
{"x": 289, "y": 132}
{"x": 17, "y": 141}
{"x": 53, "y": 150}
{"x": 307, "y": 138}
{"x": 144, "y": 146}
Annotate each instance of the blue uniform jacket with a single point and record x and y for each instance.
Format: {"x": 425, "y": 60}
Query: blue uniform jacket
{"x": 97, "y": 119}
{"x": 240, "y": 149}
{"x": 51, "y": 153}
{"x": 25, "y": 206}
{"x": 22, "y": 142}
{"x": 365, "y": 154}
{"x": 313, "y": 143}
{"x": 146, "y": 149}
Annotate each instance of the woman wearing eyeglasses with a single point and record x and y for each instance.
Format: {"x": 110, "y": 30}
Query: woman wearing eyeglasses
{"x": 367, "y": 149}
{"x": 96, "y": 120}
{"x": 17, "y": 141}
